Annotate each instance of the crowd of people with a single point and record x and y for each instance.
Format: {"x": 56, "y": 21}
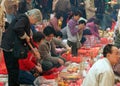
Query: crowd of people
{"x": 28, "y": 52}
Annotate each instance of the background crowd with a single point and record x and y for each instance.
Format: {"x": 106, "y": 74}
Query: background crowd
{"x": 49, "y": 28}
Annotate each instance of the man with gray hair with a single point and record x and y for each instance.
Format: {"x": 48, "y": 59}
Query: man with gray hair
{"x": 18, "y": 29}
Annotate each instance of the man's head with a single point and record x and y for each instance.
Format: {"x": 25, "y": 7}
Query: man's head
{"x": 49, "y": 33}
{"x": 59, "y": 35}
{"x": 111, "y": 52}
{"x": 82, "y": 24}
{"x": 38, "y": 37}
{"x": 28, "y": 1}
{"x": 59, "y": 15}
{"x": 76, "y": 15}
{"x": 34, "y": 15}
{"x": 96, "y": 22}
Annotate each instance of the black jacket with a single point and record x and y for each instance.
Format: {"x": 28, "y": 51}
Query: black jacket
{"x": 18, "y": 27}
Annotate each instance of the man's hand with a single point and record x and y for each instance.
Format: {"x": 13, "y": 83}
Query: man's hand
{"x": 36, "y": 53}
{"x": 39, "y": 68}
{"x": 61, "y": 61}
{"x": 27, "y": 39}
{"x": 69, "y": 49}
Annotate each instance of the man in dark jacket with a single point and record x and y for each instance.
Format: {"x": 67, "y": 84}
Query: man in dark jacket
{"x": 20, "y": 28}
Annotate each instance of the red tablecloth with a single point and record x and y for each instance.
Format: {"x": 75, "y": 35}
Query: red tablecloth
{"x": 1, "y": 83}
{"x": 53, "y": 73}
{"x": 3, "y": 69}
{"x": 82, "y": 52}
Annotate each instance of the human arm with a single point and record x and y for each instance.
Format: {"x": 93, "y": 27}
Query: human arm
{"x": 28, "y": 63}
{"x": 61, "y": 44}
{"x": 54, "y": 24}
{"x": 89, "y": 6}
{"x": 95, "y": 32}
{"x": 72, "y": 25}
{"x": 45, "y": 54}
{"x": 39, "y": 67}
{"x": 21, "y": 27}
{"x": 106, "y": 79}
{"x": 34, "y": 50}
{"x": 68, "y": 6}
{"x": 93, "y": 29}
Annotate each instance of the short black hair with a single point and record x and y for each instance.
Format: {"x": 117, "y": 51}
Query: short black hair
{"x": 77, "y": 12}
{"x": 49, "y": 30}
{"x": 38, "y": 36}
{"x": 97, "y": 21}
{"x": 59, "y": 33}
{"x": 58, "y": 15}
{"x": 82, "y": 22}
{"x": 107, "y": 49}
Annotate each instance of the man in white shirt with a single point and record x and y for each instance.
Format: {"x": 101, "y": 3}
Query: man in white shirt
{"x": 101, "y": 73}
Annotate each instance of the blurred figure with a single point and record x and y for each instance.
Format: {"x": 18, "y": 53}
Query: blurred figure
{"x": 54, "y": 5}
{"x": 64, "y": 7}
{"x": 11, "y": 7}
{"x": 81, "y": 7}
{"x": 55, "y": 21}
{"x": 24, "y": 6}
{"x": 100, "y": 6}
{"x": 114, "y": 12}
{"x": 107, "y": 20}
{"x": 94, "y": 27}
{"x": 90, "y": 8}
{"x": 117, "y": 31}
{"x": 2, "y": 25}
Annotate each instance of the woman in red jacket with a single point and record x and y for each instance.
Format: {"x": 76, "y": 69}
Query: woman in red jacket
{"x": 29, "y": 66}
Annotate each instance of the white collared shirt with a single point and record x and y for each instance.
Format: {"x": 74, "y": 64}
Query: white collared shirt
{"x": 101, "y": 74}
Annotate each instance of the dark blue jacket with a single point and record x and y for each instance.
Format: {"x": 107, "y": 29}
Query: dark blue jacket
{"x": 18, "y": 27}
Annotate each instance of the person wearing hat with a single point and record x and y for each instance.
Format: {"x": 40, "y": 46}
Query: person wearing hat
{"x": 20, "y": 28}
